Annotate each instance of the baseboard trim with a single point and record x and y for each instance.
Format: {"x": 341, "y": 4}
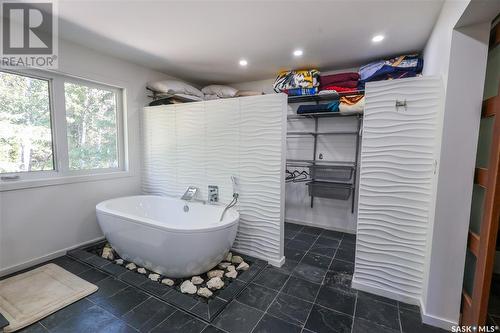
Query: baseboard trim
{"x": 432, "y": 320}
{"x": 309, "y": 224}
{"x": 385, "y": 293}
{"x": 47, "y": 257}
{"x": 277, "y": 263}
{"x": 427, "y": 318}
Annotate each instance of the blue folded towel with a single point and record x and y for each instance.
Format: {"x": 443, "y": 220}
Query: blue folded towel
{"x": 330, "y": 107}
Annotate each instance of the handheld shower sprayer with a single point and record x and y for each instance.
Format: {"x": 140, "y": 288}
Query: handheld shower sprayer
{"x": 233, "y": 202}
{"x": 234, "y": 180}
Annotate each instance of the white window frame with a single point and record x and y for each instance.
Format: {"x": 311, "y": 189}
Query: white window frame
{"x": 62, "y": 174}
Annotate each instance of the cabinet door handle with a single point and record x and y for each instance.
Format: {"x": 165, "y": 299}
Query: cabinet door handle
{"x": 400, "y": 104}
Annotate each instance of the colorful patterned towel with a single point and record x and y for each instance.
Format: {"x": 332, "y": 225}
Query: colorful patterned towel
{"x": 402, "y": 66}
{"x": 296, "y": 79}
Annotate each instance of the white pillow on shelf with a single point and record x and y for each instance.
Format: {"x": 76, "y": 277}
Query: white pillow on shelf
{"x": 211, "y": 97}
{"x": 219, "y": 90}
{"x": 174, "y": 87}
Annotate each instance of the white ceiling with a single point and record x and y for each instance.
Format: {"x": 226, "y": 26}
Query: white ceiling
{"x": 202, "y": 41}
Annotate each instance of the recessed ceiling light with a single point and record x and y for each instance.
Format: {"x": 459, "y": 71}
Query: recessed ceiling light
{"x": 298, "y": 53}
{"x": 378, "y": 38}
{"x": 243, "y": 62}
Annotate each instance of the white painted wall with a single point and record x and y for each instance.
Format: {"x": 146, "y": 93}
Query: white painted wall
{"x": 206, "y": 143}
{"x": 459, "y": 56}
{"x": 438, "y": 47}
{"x": 40, "y": 222}
{"x": 469, "y": 49}
{"x": 327, "y": 213}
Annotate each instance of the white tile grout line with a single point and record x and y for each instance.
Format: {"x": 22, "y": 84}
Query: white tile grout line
{"x": 283, "y": 286}
{"x": 94, "y": 304}
{"x": 271, "y": 303}
{"x": 277, "y": 294}
{"x": 128, "y": 285}
{"x": 168, "y": 317}
{"x": 176, "y": 307}
{"x": 399, "y": 319}
{"x": 234, "y": 299}
{"x": 99, "y": 306}
{"x": 264, "y": 313}
{"x": 321, "y": 284}
{"x": 354, "y": 313}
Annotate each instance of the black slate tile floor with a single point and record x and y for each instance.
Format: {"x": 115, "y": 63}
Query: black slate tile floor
{"x": 270, "y": 324}
{"x": 309, "y": 294}
{"x": 148, "y": 314}
{"x": 238, "y": 318}
{"x": 257, "y": 296}
{"x": 290, "y": 309}
{"x": 3, "y": 322}
{"x": 180, "y": 322}
{"x": 301, "y": 289}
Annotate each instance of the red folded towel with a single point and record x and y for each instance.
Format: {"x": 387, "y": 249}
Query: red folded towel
{"x": 345, "y": 84}
{"x": 335, "y": 79}
{"x": 339, "y": 88}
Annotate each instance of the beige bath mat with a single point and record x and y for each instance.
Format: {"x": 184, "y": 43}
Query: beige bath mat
{"x": 31, "y": 296}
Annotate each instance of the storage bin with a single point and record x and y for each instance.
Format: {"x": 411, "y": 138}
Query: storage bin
{"x": 329, "y": 190}
{"x": 331, "y": 173}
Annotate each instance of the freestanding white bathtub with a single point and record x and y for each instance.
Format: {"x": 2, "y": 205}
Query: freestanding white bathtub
{"x": 155, "y": 232}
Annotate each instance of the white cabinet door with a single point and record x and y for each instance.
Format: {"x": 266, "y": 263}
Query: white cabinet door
{"x": 396, "y": 185}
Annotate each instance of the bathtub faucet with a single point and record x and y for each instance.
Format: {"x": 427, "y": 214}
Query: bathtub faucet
{"x": 190, "y": 196}
{"x": 190, "y": 193}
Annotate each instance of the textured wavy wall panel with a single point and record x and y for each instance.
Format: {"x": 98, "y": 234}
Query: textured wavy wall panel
{"x": 159, "y": 139}
{"x": 222, "y": 144}
{"x": 396, "y": 185}
{"x": 190, "y": 128}
{"x": 261, "y": 174}
{"x": 206, "y": 143}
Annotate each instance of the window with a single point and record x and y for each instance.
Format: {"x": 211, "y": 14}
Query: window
{"x": 25, "y": 124}
{"x": 53, "y": 125}
{"x": 91, "y": 127}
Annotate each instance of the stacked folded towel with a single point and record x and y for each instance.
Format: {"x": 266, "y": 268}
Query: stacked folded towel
{"x": 343, "y": 82}
{"x": 354, "y": 103}
{"x": 297, "y": 83}
{"x": 396, "y": 68}
{"x": 330, "y": 107}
